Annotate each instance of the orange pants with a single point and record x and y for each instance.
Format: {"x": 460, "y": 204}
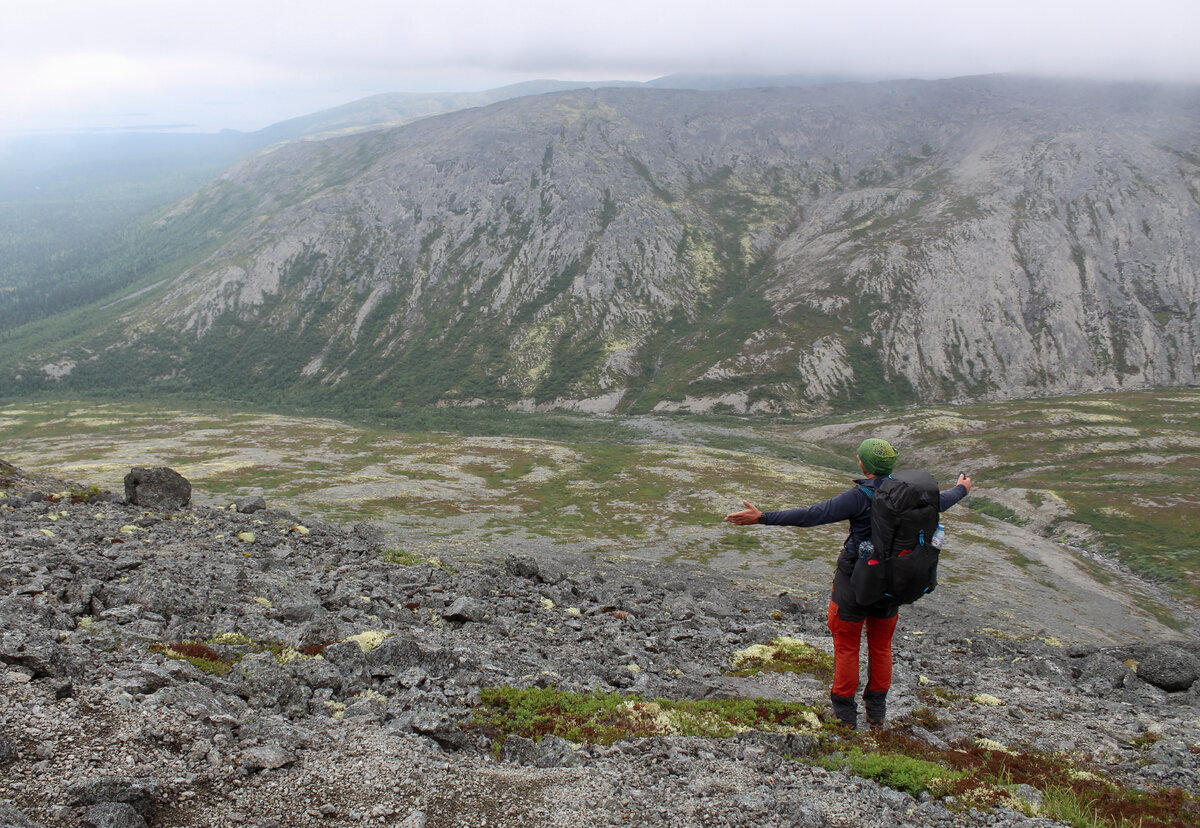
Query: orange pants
{"x": 847, "y": 636}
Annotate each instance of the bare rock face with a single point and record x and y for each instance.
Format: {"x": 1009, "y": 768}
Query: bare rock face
{"x": 158, "y": 488}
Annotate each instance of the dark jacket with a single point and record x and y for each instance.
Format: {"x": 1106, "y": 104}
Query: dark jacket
{"x": 852, "y": 505}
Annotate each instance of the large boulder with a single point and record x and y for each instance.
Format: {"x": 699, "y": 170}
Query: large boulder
{"x": 112, "y": 815}
{"x": 140, "y": 793}
{"x": 1168, "y": 667}
{"x": 160, "y": 488}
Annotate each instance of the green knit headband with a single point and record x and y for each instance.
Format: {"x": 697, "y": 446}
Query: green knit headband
{"x": 878, "y": 456}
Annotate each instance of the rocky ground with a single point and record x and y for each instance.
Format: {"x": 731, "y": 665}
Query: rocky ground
{"x": 103, "y": 723}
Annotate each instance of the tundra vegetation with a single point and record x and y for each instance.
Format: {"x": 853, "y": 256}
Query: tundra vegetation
{"x": 1095, "y": 471}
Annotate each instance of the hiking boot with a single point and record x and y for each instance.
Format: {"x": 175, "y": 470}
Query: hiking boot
{"x": 875, "y": 701}
{"x": 845, "y": 709}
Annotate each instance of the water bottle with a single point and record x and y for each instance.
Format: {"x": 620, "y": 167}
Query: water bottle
{"x": 865, "y": 550}
{"x": 939, "y": 537}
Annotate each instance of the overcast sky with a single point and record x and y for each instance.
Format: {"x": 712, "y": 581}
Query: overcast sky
{"x": 244, "y": 64}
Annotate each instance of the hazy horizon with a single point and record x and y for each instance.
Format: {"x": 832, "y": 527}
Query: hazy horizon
{"x": 145, "y": 65}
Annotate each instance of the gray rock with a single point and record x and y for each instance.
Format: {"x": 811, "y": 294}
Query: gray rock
{"x": 466, "y": 609}
{"x": 10, "y": 817}
{"x": 1103, "y": 672}
{"x": 265, "y": 757}
{"x": 142, "y": 793}
{"x": 519, "y": 750}
{"x": 316, "y": 673}
{"x": 196, "y": 700}
{"x": 263, "y": 682}
{"x": 294, "y": 602}
{"x": 1168, "y": 667}
{"x": 370, "y": 538}
{"x": 112, "y": 815}
{"x": 929, "y": 738}
{"x": 441, "y": 728}
{"x": 8, "y": 751}
{"x": 551, "y": 752}
{"x": 160, "y": 488}
{"x": 396, "y": 654}
{"x": 250, "y": 505}
{"x": 366, "y": 707}
{"x": 803, "y": 813}
{"x": 144, "y": 679}
{"x": 414, "y": 820}
{"x": 521, "y": 566}
{"x": 551, "y": 572}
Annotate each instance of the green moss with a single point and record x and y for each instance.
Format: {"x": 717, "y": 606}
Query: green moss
{"x": 895, "y": 770}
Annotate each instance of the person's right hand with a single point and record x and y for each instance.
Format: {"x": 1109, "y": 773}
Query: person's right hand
{"x": 963, "y": 480}
{"x": 745, "y": 517}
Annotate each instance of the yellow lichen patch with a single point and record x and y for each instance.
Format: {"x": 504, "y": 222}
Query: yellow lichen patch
{"x": 233, "y": 639}
{"x": 246, "y": 537}
{"x": 286, "y": 655}
{"x": 987, "y": 699}
{"x": 756, "y": 652}
{"x": 372, "y": 694}
{"x": 784, "y": 654}
{"x": 130, "y": 529}
{"x": 1052, "y": 641}
{"x": 574, "y": 611}
{"x": 266, "y": 602}
{"x": 1132, "y": 664}
{"x": 86, "y": 621}
{"x": 47, "y": 533}
{"x": 300, "y": 530}
{"x": 547, "y": 603}
{"x": 369, "y": 640}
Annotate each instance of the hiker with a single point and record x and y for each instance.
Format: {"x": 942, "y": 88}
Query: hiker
{"x": 877, "y": 459}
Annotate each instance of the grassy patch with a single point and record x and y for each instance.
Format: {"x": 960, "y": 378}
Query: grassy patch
{"x": 895, "y": 770}
{"x": 198, "y": 654}
{"x": 402, "y": 557}
{"x": 991, "y": 508}
{"x": 604, "y": 718}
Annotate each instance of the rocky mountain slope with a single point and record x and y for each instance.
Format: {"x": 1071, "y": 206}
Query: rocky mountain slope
{"x": 205, "y": 666}
{"x": 633, "y": 249}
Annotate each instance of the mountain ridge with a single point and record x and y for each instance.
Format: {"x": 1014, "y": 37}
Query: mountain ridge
{"x": 775, "y": 250}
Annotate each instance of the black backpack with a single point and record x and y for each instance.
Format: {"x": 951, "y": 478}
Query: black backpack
{"x": 903, "y": 565}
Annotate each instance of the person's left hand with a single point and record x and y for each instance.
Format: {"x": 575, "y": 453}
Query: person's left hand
{"x": 745, "y": 517}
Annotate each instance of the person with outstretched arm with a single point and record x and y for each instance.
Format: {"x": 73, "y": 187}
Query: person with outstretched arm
{"x": 877, "y": 459}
